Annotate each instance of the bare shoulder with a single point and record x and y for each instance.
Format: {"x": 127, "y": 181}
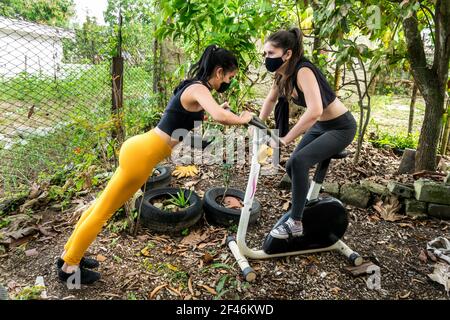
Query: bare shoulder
{"x": 305, "y": 72}
{"x": 197, "y": 88}
{"x": 306, "y": 77}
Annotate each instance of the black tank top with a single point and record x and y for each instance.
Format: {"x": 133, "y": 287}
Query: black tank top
{"x": 177, "y": 117}
{"x": 326, "y": 92}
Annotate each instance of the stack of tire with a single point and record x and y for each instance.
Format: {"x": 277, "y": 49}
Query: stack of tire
{"x": 156, "y": 219}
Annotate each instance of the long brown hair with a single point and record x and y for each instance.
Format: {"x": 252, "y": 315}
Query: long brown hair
{"x": 291, "y": 39}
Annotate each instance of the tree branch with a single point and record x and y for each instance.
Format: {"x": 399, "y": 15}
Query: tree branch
{"x": 442, "y": 43}
{"x": 416, "y": 52}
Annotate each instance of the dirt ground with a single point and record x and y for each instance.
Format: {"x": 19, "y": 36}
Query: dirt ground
{"x": 200, "y": 265}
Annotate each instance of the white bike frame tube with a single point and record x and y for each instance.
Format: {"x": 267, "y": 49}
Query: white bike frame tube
{"x": 314, "y": 190}
{"x": 250, "y": 192}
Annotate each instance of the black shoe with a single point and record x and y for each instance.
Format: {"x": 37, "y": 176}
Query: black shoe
{"x": 85, "y": 276}
{"x": 87, "y": 263}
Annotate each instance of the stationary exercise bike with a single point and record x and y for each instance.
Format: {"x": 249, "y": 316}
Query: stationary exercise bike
{"x": 324, "y": 219}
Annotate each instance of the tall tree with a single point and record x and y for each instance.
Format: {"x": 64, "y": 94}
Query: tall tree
{"x": 431, "y": 79}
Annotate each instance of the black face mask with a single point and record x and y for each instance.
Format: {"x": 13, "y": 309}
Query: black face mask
{"x": 273, "y": 64}
{"x": 224, "y": 87}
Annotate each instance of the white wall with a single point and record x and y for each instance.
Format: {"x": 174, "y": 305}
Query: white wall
{"x": 31, "y": 53}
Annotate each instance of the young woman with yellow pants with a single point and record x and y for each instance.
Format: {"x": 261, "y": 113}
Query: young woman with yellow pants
{"x": 141, "y": 153}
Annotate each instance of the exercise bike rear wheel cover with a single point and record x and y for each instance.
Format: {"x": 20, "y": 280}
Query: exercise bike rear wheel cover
{"x": 325, "y": 221}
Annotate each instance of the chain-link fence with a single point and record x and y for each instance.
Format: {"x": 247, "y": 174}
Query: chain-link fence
{"x": 56, "y": 98}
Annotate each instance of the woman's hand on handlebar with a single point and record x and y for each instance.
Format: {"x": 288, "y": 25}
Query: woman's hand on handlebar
{"x": 274, "y": 145}
{"x": 246, "y": 117}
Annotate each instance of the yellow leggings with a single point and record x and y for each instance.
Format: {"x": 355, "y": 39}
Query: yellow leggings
{"x": 137, "y": 158}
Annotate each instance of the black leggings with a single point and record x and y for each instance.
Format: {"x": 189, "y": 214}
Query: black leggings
{"x": 323, "y": 140}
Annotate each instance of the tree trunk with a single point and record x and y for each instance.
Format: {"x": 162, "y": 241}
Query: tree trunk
{"x": 337, "y": 78}
{"x": 317, "y": 43}
{"x": 429, "y": 135}
{"x": 411, "y": 108}
{"x": 155, "y": 65}
{"x": 118, "y": 131}
{"x": 161, "y": 79}
{"x": 430, "y": 80}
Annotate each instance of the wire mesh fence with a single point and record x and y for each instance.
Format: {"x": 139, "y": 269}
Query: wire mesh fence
{"x": 56, "y": 99}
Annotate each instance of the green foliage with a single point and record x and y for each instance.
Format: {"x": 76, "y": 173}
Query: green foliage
{"x": 180, "y": 200}
{"x": 233, "y": 24}
{"x": 226, "y": 170}
{"x": 131, "y": 296}
{"x": 54, "y": 12}
{"x": 91, "y": 44}
{"x": 4, "y": 222}
{"x": 30, "y": 293}
{"x": 233, "y": 228}
{"x": 393, "y": 140}
{"x": 176, "y": 276}
{"x": 226, "y": 284}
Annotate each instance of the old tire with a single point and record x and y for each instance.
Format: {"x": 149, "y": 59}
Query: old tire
{"x": 217, "y": 214}
{"x": 162, "y": 221}
{"x": 160, "y": 181}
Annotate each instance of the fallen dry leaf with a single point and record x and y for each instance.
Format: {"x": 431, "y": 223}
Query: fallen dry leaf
{"x": 423, "y": 256}
{"x": 192, "y": 238}
{"x": 101, "y": 258}
{"x": 190, "y": 184}
{"x": 190, "y": 286}
{"x": 145, "y": 252}
{"x": 35, "y": 191}
{"x": 388, "y": 209}
{"x": 232, "y": 203}
{"x": 207, "y": 258}
{"x": 156, "y": 290}
{"x": 361, "y": 269}
{"x": 143, "y": 237}
{"x": 405, "y": 296}
{"x": 171, "y": 267}
{"x": 335, "y": 290}
{"x": 31, "y": 253}
{"x": 209, "y": 289}
{"x": 406, "y": 225}
{"x": 175, "y": 291}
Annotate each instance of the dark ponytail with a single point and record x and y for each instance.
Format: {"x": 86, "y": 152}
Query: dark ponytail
{"x": 212, "y": 57}
{"x": 291, "y": 39}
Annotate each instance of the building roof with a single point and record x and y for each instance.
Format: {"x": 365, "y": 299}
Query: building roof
{"x": 25, "y": 27}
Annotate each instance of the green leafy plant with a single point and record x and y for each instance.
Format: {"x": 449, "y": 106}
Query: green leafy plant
{"x": 226, "y": 171}
{"x": 226, "y": 284}
{"x": 233, "y": 228}
{"x": 399, "y": 141}
{"x": 131, "y": 296}
{"x": 180, "y": 200}
{"x": 4, "y": 222}
{"x": 30, "y": 293}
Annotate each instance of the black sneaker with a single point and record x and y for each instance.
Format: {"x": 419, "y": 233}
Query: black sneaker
{"x": 87, "y": 263}
{"x": 84, "y": 276}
